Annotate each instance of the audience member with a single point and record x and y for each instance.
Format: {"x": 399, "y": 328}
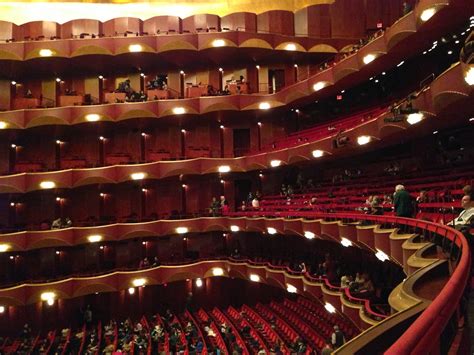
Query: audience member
{"x": 465, "y": 220}
{"x": 337, "y": 337}
{"x": 402, "y": 202}
{"x": 328, "y": 349}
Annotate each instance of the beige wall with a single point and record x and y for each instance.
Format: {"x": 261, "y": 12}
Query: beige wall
{"x": 5, "y": 94}
{"x": 48, "y": 90}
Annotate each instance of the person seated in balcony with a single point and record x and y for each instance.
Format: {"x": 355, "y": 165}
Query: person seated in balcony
{"x": 327, "y": 349}
{"x": 224, "y": 205}
{"x": 210, "y": 90}
{"x": 156, "y": 262}
{"x": 243, "y": 206}
{"x": 235, "y": 254}
{"x": 241, "y": 80}
{"x": 406, "y": 8}
{"x": 465, "y": 220}
{"x": 56, "y": 224}
{"x": 28, "y": 94}
{"x": 402, "y": 202}
{"x": 255, "y": 203}
{"x": 144, "y": 264}
{"x": 375, "y": 207}
{"x": 124, "y": 87}
{"x": 422, "y": 197}
{"x": 143, "y": 96}
{"x": 346, "y": 281}
{"x": 283, "y": 190}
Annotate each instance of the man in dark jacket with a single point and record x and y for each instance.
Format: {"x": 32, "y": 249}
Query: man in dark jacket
{"x": 402, "y": 202}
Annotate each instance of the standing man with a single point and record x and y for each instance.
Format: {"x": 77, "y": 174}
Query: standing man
{"x": 402, "y": 202}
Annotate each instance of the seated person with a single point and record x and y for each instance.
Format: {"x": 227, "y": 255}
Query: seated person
{"x": 465, "y": 220}
{"x": 422, "y": 197}
{"x": 28, "y": 94}
{"x": 56, "y": 224}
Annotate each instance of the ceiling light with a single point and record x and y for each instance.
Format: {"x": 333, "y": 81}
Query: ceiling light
{"x": 234, "y": 228}
{"x": 198, "y": 283}
{"x": 45, "y": 52}
{"x": 425, "y": 52}
{"x": 221, "y": 70}
{"x": 471, "y": 119}
{"x": 139, "y": 282}
{"x": 179, "y": 110}
{"x": 318, "y": 153}
{"x": 309, "y": 235}
{"x": 376, "y": 80}
{"x": 361, "y": 140}
{"x": 2, "y": 309}
{"x": 450, "y": 52}
{"x": 47, "y": 184}
{"x": 222, "y": 181}
{"x": 275, "y": 163}
{"x": 290, "y": 47}
{"x": 4, "y": 248}
{"x": 346, "y": 242}
{"x": 58, "y": 80}
{"x": 401, "y": 63}
{"x": 257, "y": 67}
{"x": 47, "y": 296}
{"x": 218, "y": 43}
{"x": 13, "y": 145}
{"x": 131, "y": 290}
{"x": 182, "y": 230}
{"x": 330, "y": 308}
{"x": 135, "y": 48}
{"x": 217, "y": 271}
{"x": 3, "y": 125}
{"x": 469, "y": 76}
{"x": 271, "y": 230}
{"x": 13, "y": 82}
{"x": 221, "y": 127}
{"x": 181, "y": 72}
{"x": 457, "y": 41}
{"x": 427, "y": 14}
{"x": 101, "y": 77}
{"x": 50, "y": 301}
{"x": 94, "y": 238}
{"x": 223, "y": 169}
{"x": 259, "y": 124}
{"x": 92, "y": 117}
{"x": 138, "y": 176}
{"x": 264, "y": 106}
{"x": 381, "y": 255}
{"x": 435, "y": 132}
{"x": 291, "y": 288}
{"x": 368, "y": 58}
{"x": 383, "y": 73}
{"x": 101, "y": 138}
{"x": 414, "y": 118}
{"x": 254, "y": 278}
{"x": 319, "y": 85}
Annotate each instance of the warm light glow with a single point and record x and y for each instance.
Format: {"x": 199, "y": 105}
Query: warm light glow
{"x": 381, "y": 255}
{"x": 309, "y": 235}
{"x": 92, "y": 117}
{"x": 271, "y": 230}
{"x": 361, "y": 140}
{"x": 131, "y": 290}
{"x": 2, "y": 309}
{"x": 4, "y": 248}
{"x": 47, "y": 184}
{"x": 414, "y": 118}
{"x": 138, "y": 176}
{"x": 182, "y": 230}
{"x": 275, "y": 163}
{"x": 45, "y": 52}
{"x": 346, "y": 242}
{"x": 469, "y": 76}
{"x": 234, "y": 228}
{"x": 58, "y": 80}
{"x": 264, "y": 106}
{"x": 330, "y": 308}
{"x": 50, "y": 301}
{"x": 257, "y": 67}
{"x": 181, "y": 72}
{"x": 198, "y": 283}
{"x": 134, "y": 48}
{"x": 319, "y": 85}
{"x": 427, "y": 14}
{"x": 368, "y": 58}
{"x": 3, "y": 125}
{"x": 224, "y": 169}
{"x": 94, "y": 238}
{"x": 221, "y": 127}
{"x": 318, "y": 153}
{"x": 13, "y": 82}
{"x": 290, "y": 47}
{"x": 218, "y": 43}
{"x": 179, "y": 110}
{"x": 217, "y": 271}
{"x": 139, "y": 282}
{"x": 254, "y": 278}
{"x": 48, "y": 296}
{"x": 291, "y": 288}
{"x": 101, "y": 77}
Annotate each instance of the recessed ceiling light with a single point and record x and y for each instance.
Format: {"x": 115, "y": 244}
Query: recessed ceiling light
{"x": 427, "y": 14}
{"x": 179, "y": 110}
{"x": 218, "y": 43}
{"x": 290, "y": 47}
{"x": 45, "y": 52}
{"x": 92, "y": 117}
{"x": 318, "y": 153}
{"x": 47, "y": 184}
{"x": 362, "y": 140}
{"x": 223, "y": 169}
{"x": 182, "y": 230}
{"x": 368, "y": 58}
{"x": 264, "y": 106}
{"x": 138, "y": 176}
{"x": 135, "y": 48}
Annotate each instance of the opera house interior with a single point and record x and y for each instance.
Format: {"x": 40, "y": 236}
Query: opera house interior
{"x": 236, "y": 177}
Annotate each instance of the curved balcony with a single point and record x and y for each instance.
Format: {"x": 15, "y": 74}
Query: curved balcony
{"x": 348, "y": 71}
{"x": 446, "y": 91}
{"x": 433, "y": 311}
